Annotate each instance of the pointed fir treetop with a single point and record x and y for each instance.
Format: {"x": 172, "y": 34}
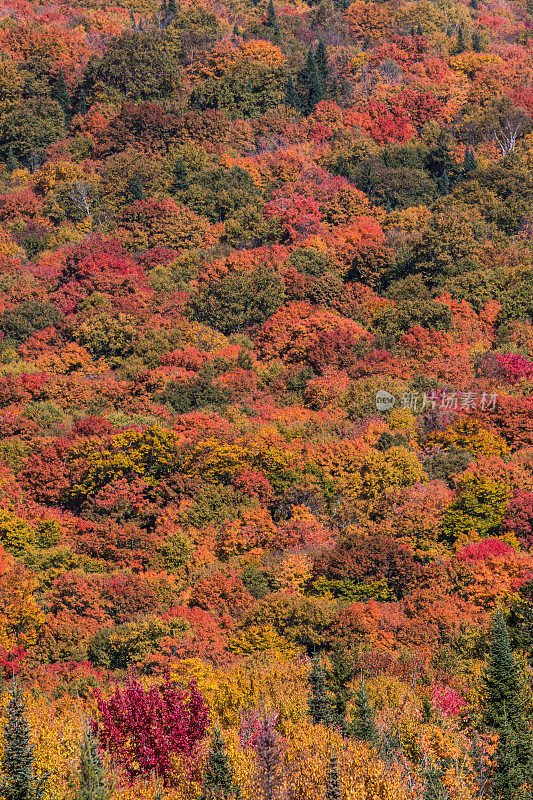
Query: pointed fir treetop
{"x": 136, "y": 189}
{"x": 319, "y": 704}
{"x": 60, "y": 91}
{"x": 312, "y": 82}
{"x": 460, "y": 47}
{"x": 93, "y": 783}
{"x": 291, "y": 96}
{"x": 503, "y": 679}
{"x": 363, "y": 725}
{"x": 443, "y": 183}
{"x": 340, "y": 676}
{"x": 218, "y": 773}
{"x": 81, "y": 106}
{"x": 321, "y": 60}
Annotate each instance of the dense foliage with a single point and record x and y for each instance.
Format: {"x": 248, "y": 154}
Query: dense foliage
{"x": 266, "y": 399}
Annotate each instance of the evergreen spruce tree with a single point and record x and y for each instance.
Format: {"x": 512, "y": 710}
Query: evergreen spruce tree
{"x": 469, "y": 160}
{"x": 505, "y": 704}
{"x": 218, "y": 774}
{"x": 11, "y": 162}
{"x": 92, "y": 775}
{"x": 272, "y": 21}
{"x": 413, "y": 32}
{"x": 60, "y": 91}
{"x": 509, "y": 778}
{"x": 476, "y": 42}
{"x": 18, "y": 780}
{"x": 473, "y": 4}
{"x": 460, "y": 47}
{"x": 503, "y": 681}
{"x": 136, "y": 189}
{"x": 362, "y": 725}
{"x": 81, "y": 106}
{"x": 291, "y": 95}
{"x": 419, "y": 31}
{"x": 340, "y": 676}
{"x": 172, "y": 8}
{"x": 333, "y": 785}
{"x": 321, "y": 60}
{"x": 319, "y": 703}
{"x": 179, "y": 177}
{"x": 443, "y": 183}
{"x": 132, "y": 18}
{"x": 312, "y": 82}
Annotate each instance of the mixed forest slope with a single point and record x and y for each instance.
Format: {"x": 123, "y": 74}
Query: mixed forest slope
{"x": 266, "y": 408}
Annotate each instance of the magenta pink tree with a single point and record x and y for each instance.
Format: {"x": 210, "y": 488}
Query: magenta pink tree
{"x": 142, "y": 729}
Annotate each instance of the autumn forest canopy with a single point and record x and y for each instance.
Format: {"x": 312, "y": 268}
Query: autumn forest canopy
{"x": 266, "y": 400}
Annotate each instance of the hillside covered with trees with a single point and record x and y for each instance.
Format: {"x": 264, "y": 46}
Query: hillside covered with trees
{"x": 266, "y": 400}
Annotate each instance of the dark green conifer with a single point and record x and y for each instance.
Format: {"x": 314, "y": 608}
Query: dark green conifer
{"x": 312, "y": 82}
{"x": 18, "y": 780}
{"x": 136, "y": 189}
{"x": 60, "y": 91}
{"x": 272, "y": 22}
{"x": 179, "y": 177}
{"x": 362, "y": 725}
{"x": 340, "y": 676}
{"x": 333, "y": 785}
{"x": 504, "y": 711}
{"x": 469, "y": 160}
{"x": 320, "y": 707}
{"x": 460, "y": 46}
{"x": 509, "y": 778}
{"x": 473, "y": 4}
{"x": 503, "y": 680}
{"x": 92, "y": 775}
{"x": 172, "y": 8}
{"x": 81, "y": 106}
{"x": 413, "y": 31}
{"x": 476, "y": 42}
{"x": 132, "y": 18}
{"x": 321, "y": 60}
{"x": 11, "y": 162}
{"x": 218, "y": 774}
{"x": 271, "y": 15}
{"x": 419, "y": 31}
{"x": 291, "y": 95}
{"x": 443, "y": 183}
